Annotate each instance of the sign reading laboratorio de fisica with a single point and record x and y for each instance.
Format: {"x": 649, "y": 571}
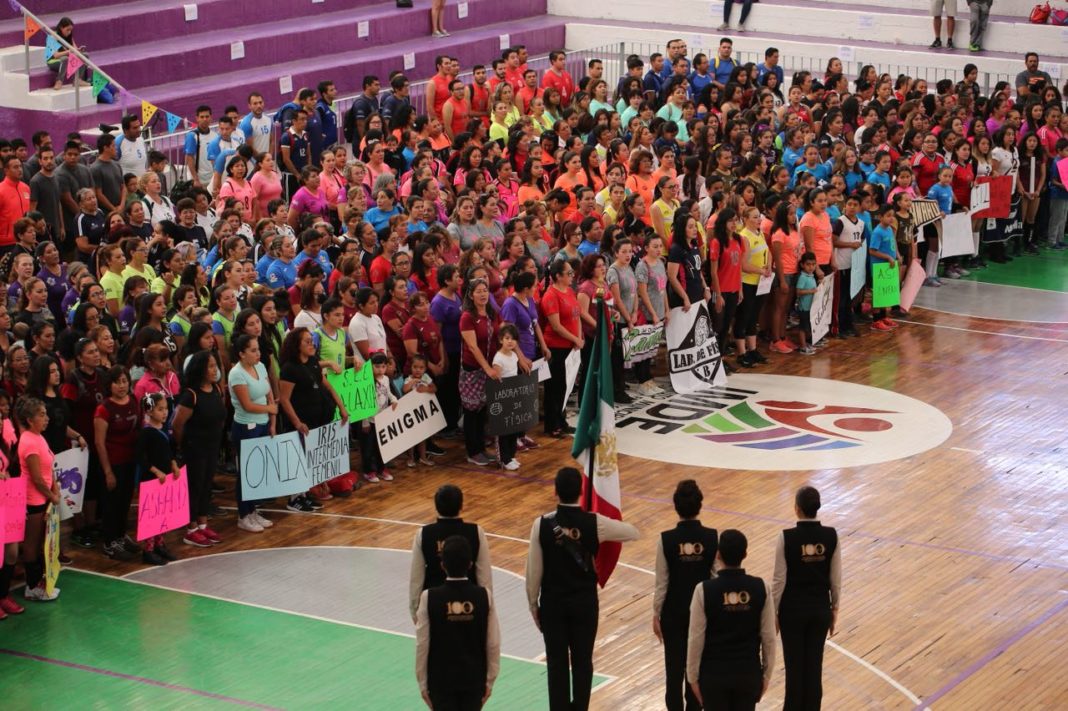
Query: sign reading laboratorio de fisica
{"x": 779, "y": 422}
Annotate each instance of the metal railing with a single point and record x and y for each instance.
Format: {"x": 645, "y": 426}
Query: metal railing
{"x": 72, "y": 50}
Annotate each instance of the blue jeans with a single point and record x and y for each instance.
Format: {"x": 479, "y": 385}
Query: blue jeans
{"x": 237, "y": 433}
{"x": 1058, "y": 212}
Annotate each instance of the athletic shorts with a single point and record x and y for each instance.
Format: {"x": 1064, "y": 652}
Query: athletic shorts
{"x": 949, "y": 5}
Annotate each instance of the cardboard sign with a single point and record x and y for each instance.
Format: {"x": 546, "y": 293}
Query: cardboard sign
{"x": 356, "y": 388}
{"x": 642, "y": 342}
{"x": 765, "y": 284}
{"x": 886, "y": 285}
{"x": 162, "y": 506}
{"x": 511, "y": 405}
{"x": 272, "y": 467}
{"x": 70, "y": 469}
{"x": 418, "y": 416}
{"x": 999, "y": 196}
{"x": 12, "y": 510}
{"x": 913, "y": 282}
{"x": 957, "y": 236}
{"x": 857, "y": 269}
{"x": 822, "y": 308}
{"x": 694, "y": 361}
{"x": 326, "y": 450}
{"x": 571, "y": 369}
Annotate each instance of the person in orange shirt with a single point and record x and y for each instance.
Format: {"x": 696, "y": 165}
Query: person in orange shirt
{"x": 437, "y": 89}
{"x": 456, "y": 110}
{"x": 556, "y": 77}
{"x": 529, "y": 91}
{"x": 572, "y": 176}
{"x": 642, "y": 180}
{"x": 14, "y": 202}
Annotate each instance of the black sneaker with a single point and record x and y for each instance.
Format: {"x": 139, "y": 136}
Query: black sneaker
{"x": 117, "y": 551}
{"x": 130, "y": 545}
{"x": 757, "y": 357}
{"x": 217, "y": 488}
{"x": 165, "y": 553}
{"x": 745, "y": 361}
{"x": 949, "y": 43}
{"x": 299, "y": 504}
{"x": 313, "y": 502}
{"x": 153, "y": 558}
{"x": 83, "y": 538}
{"x": 937, "y": 43}
{"x": 434, "y": 450}
{"x": 623, "y": 399}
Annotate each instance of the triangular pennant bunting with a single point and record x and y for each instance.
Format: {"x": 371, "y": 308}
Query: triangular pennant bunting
{"x": 74, "y": 63}
{"x": 147, "y": 112}
{"x": 51, "y": 47}
{"x": 32, "y": 27}
{"x": 99, "y": 82}
{"x": 173, "y": 122}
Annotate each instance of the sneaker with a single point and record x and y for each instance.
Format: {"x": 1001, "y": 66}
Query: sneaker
{"x": 313, "y": 502}
{"x": 937, "y": 44}
{"x": 645, "y": 389}
{"x": 962, "y": 271}
{"x": 622, "y": 398}
{"x": 211, "y": 535}
{"x": 258, "y": 518}
{"x": 117, "y": 551}
{"x": 299, "y": 505}
{"x": 952, "y": 274}
{"x": 479, "y": 460}
{"x": 520, "y": 445}
{"x": 152, "y": 558}
{"x": 806, "y": 350}
{"x": 412, "y": 463}
{"x": 528, "y": 442}
{"x": 746, "y": 360}
{"x": 445, "y": 33}
{"x": 384, "y": 475}
{"x": 890, "y": 322}
{"x": 370, "y": 477}
{"x": 728, "y": 368}
{"x": 780, "y": 347}
{"x": 83, "y": 538}
{"x": 881, "y": 325}
{"x": 427, "y": 462}
{"x": 10, "y": 607}
{"x": 437, "y": 34}
{"x": 723, "y": 27}
{"x": 38, "y": 593}
{"x": 757, "y": 357}
{"x": 931, "y": 281}
{"x": 949, "y": 43}
{"x": 165, "y": 553}
{"x": 973, "y": 47}
{"x": 130, "y": 545}
{"x": 1059, "y": 246}
{"x": 217, "y": 488}
{"x": 512, "y": 465}
{"x": 197, "y": 538}
{"x": 249, "y": 524}
{"x": 434, "y": 450}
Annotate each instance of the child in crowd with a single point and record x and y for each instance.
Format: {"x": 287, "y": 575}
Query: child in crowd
{"x": 155, "y": 460}
{"x": 883, "y": 250}
{"x": 419, "y": 381}
{"x": 506, "y": 363}
{"x": 806, "y": 287}
{"x": 374, "y": 469}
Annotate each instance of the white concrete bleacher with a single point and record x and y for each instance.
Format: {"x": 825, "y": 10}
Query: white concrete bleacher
{"x": 895, "y": 39}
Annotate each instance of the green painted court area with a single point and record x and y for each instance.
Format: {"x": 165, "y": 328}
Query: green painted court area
{"x": 109, "y": 643}
{"x": 1047, "y": 270}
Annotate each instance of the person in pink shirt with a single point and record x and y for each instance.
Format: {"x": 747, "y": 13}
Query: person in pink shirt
{"x": 1050, "y": 133}
{"x": 35, "y": 463}
{"x": 334, "y": 187}
{"x": 267, "y": 182}
{"x": 9, "y": 552}
{"x": 236, "y": 185}
{"x": 311, "y": 198}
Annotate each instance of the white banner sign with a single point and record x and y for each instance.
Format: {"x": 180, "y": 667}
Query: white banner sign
{"x": 980, "y": 198}
{"x": 957, "y": 236}
{"x": 694, "y": 360}
{"x": 417, "y": 417}
{"x": 571, "y": 369}
{"x": 70, "y": 469}
{"x": 858, "y": 269}
{"x": 765, "y": 284}
{"x": 822, "y": 308}
{"x": 642, "y": 342}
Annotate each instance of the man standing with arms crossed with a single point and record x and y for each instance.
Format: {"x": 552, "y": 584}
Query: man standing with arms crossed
{"x": 562, "y": 589}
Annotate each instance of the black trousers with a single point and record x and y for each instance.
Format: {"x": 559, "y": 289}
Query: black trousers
{"x": 676, "y": 630}
{"x": 201, "y": 458}
{"x": 617, "y": 358}
{"x": 731, "y": 693}
{"x": 117, "y": 501}
{"x": 555, "y": 387}
{"x": 569, "y": 626}
{"x": 745, "y": 323}
{"x": 456, "y": 699}
{"x": 475, "y": 431}
{"x": 449, "y": 391}
{"x": 723, "y": 319}
{"x": 845, "y": 302}
{"x": 804, "y": 634}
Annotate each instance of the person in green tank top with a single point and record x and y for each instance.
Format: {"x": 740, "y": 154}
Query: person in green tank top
{"x": 222, "y": 321}
{"x": 331, "y": 339}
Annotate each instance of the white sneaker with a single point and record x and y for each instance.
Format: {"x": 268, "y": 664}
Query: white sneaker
{"x": 264, "y": 522}
{"x": 248, "y": 523}
{"x": 38, "y": 593}
{"x": 512, "y": 465}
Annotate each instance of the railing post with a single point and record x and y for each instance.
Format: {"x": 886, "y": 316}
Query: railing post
{"x": 26, "y": 53}
{"x": 77, "y": 92}
{"x": 622, "y": 62}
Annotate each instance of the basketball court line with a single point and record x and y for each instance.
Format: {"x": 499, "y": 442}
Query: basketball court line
{"x": 136, "y": 679}
{"x": 865, "y": 664}
{"x": 985, "y": 333}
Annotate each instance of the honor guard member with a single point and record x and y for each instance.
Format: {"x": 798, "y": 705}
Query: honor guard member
{"x": 457, "y": 638}
{"x": 562, "y": 589}
{"x": 426, "y": 548}
{"x": 806, "y": 589}
{"x": 685, "y": 557}
{"x": 732, "y": 633}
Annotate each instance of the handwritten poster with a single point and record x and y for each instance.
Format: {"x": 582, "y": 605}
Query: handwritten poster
{"x": 511, "y": 404}
{"x": 356, "y": 388}
{"x": 162, "y": 506}
{"x": 326, "y": 450}
{"x": 417, "y": 417}
{"x": 12, "y": 510}
{"x": 70, "y": 469}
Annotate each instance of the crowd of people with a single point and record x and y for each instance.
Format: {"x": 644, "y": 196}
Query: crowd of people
{"x": 151, "y": 306}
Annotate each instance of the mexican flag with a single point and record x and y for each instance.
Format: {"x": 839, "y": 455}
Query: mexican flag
{"x": 595, "y": 444}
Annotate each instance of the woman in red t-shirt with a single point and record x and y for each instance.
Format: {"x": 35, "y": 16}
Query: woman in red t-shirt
{"x": 422, "y": 336}
{"x": 563, "y": 334}
{"x": 478, "y": 342}
{"x": 116, "y": 423}
{"x": 725, "y": 251}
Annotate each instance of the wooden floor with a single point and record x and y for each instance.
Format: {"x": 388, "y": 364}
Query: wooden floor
{"x": 955, "y": 560}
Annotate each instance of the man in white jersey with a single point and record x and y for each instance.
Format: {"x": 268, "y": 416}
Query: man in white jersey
{"x": 132, "y": 153}
{"x": 257, "y": 126}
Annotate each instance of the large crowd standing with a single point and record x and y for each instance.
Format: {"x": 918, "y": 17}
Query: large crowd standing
{"x": 152, "y": 306}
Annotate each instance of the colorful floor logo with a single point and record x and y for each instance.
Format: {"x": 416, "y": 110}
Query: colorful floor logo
{"x": 770, "y": 422}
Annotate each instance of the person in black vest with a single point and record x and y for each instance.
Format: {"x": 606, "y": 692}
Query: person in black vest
{"x": 685, "y": 557}
{"x": 562, "y": 589}
{"x": 731, "y": 646}
{"x": 457, "y": 638}
{"x": 806, "y": 589}
{"x": 426, "y": 548}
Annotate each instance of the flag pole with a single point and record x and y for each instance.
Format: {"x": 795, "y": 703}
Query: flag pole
{"x": 595, "y": 357}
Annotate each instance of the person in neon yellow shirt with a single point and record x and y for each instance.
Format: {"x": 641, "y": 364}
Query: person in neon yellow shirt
{"x": 112, "y": 261}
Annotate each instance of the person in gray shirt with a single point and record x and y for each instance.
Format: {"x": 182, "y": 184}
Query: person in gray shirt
{"x": 107, "y": 175}
{"x": 45, "y": 193}
{"x": 1031, "y": 80}
{"x": 72, "y": 177}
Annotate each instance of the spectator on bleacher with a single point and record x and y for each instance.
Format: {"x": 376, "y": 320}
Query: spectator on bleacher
{"x": 257, "y": 126}
{"x": 363, "y": 107}
{"x": 294, "y": 148}
{"x": 108, "y": 175}
{"x": 132, "y": 154}
{"x": 324, "y": 106}
{"x": 938, "y": 7}
{"x": 980, "y": 15}
{"x": 197, "y": 163}
{"x": 1032, "y": 80}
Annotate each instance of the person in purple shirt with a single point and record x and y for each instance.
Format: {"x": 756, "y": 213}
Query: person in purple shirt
{"x": 54, "y": 274}
{"x": 311, "y": 198}
{"x": 445, "y": 309}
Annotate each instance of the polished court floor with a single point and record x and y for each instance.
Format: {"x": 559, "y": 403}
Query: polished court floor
{"x": 939, "y": 449}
